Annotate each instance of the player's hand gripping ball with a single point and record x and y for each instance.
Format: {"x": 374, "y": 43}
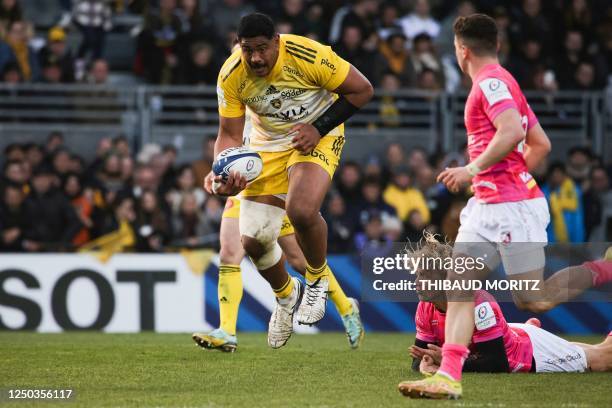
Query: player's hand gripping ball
{"x": 240, "y": 161}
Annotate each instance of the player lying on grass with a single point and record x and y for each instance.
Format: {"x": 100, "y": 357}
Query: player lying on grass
{"x": 496, "y": 346}
{"x": 230, "y": 283}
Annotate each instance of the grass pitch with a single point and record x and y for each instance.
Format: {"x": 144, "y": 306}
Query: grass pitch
{"x": 312, "y": 370}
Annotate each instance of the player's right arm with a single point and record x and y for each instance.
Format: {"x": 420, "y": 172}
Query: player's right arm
{"x": 537, "y": 146}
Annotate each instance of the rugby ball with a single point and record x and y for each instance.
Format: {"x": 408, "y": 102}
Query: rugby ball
{"x": 241, "y": 159}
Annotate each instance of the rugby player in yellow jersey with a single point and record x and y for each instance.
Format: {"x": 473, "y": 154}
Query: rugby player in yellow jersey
{"x": 298, "y": 93}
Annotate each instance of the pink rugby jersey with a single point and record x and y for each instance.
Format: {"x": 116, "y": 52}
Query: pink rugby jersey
{"x": 495, "y": 90}
{"x": 489, "y": 324}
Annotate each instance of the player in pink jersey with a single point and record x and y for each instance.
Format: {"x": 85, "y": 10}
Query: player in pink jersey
{"x": 496, "y": 346}
{"x": 508, "y": 215}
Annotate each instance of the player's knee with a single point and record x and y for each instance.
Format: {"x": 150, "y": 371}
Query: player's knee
{"x": 254, "y": 248}
{"x": 302, "y": 216}
{"x": 231, "y": 254}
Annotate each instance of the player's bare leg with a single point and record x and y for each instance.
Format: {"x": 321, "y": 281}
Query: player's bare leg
{"x": 564, "y": 285}
{"x": 308, "y": 184}
{"x": 260, "y": 225}
{"x": 599, "y": 356}
{"x": 352, "y": 321}
{"x": 229, "y": 290}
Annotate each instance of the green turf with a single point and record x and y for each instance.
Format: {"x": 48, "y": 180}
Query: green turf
{"x": 312, "y": 370}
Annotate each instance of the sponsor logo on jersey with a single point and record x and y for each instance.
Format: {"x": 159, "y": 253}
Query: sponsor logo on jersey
{"x": 255, "y": 99}
{"x": 292, "y": 113}
{"x": 293, "y": 71}
{"x": 292, "y": 93}
{"x": 272, "y": 90}
{"x": 328, "y": 64}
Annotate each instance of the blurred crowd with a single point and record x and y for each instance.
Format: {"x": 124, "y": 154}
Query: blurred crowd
{"x": 547, "y": 45}
{"x": 53, "y": 200}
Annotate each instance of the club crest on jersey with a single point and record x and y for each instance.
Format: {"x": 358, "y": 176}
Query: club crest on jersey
{"x": 276, "y": 103}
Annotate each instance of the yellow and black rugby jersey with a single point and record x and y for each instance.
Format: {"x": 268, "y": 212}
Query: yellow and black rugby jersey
{"x": 297, "y": 90}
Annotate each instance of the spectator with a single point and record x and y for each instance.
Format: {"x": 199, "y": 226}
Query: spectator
{"x": 373, "y": 236}
{"x": 189, "y": 225}
{"x": 524, "y": 65}
{"x": 185, "y": 184}
{"x": 532, "y": 22}
{"x": 10, "y": 11}
{"x": 340, "y": 227}
{"x": 56, "y": 54}
{"x": 395, "y": 156}
{"x": 158, "y": 43}
{"x": 317, "y": 28}
{"x": 567, "y": 63}
{"x": 293, "y": 12}
{"x": 348, "y": 184}
{"x": 371, "y": 192}
{"x": 445, "y": 41}
{"x": 98, "y": 73}
{"x": 203, "y": 166}
{"x": 225, "y": 14}
{"x": 152, "y": 227}
{"x": 82, "y": 201}
{"x": 424, "y": 57}
{"x": 584, "y": 77}
{"x": 436, "y": 195}
{"x": 34, "y": 154}
{"x": 14, "y": 174}
{"x": 10, "y": 72}
{"x": 121, "y": 145}
{"x": 599, "y": 186}
{"x": 578, "y": 17}
{"x": 14, "y": 151}
{"x": 93, "y": 19}
{"x": 420, "y": 21}
{"x": 393, "y": 229}
{"x": 193, "y": 27}
{"x": 20, "y": 52}
{"x": 389, "y": 109}
{"x": 54, "y": 141}
{"x": 61, "y": 162}
{"x": 53, "y": 223}
{"x": 387, "y": 24}
{"x": 414, "y": 226}
{"x": 13, "y": 219}
{"x": 351, "y": 49}
{"x": 359, "y": 15}
{"x": 579, "y": 162}
{"x": 397, "y": 59}
{"x": 401, "y": 195}
{"x": 564, "y": 199}
{"x": 109, "y": 178}
{"x": 201, "y": 67}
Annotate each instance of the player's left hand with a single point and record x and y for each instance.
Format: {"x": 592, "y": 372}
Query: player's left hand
{"x": 454, "y": 178}
{"x": 305, "y": 137}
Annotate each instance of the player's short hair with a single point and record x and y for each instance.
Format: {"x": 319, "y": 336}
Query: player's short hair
{"x": 255, "y": 25}
{"x": 478, "y": 32}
